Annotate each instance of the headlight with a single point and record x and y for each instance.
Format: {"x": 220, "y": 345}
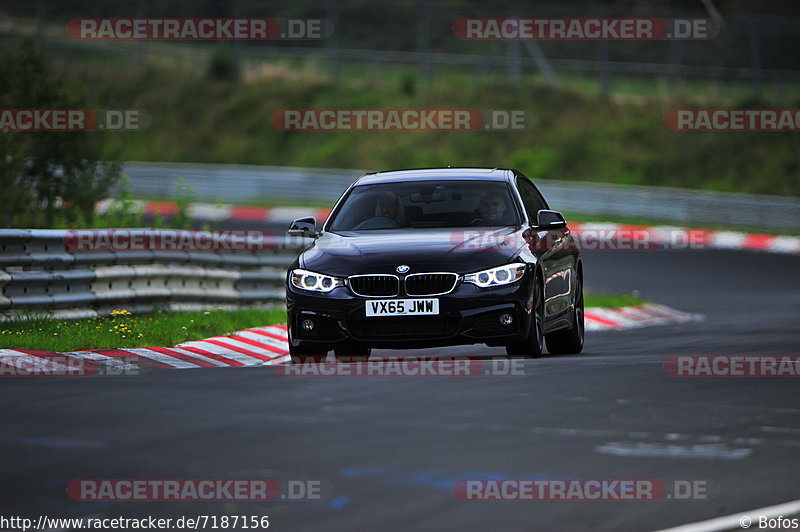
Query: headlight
{"x": 496, "y": 276}
{"x": 315, "y": 282}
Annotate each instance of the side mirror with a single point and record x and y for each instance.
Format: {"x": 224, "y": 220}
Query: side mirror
{"x": 304, "y": 227}
{"x": 550, "y": 220}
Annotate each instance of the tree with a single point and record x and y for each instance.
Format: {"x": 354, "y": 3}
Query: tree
{"x": 47, "y": 174}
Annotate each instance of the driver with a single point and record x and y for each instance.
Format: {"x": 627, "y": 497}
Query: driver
{"x": 492, "y": 207}
{"x": 387, "y": 205}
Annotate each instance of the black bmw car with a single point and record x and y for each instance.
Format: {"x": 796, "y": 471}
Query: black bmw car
{"x": 436, "y": 257}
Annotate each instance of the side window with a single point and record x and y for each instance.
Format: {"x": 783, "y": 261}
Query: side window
{"x": 531, "y": 198}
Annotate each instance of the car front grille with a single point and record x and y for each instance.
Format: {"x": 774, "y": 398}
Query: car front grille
{"x": 374, "y": 285}
{"x": 430, "y": 284}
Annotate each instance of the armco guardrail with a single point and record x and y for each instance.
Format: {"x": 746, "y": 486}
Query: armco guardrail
{"x": 238, "y": 183}
{"x": 242, "y": 183}
{"x": 674, "y": 204}
{"x": 40, "y": 273}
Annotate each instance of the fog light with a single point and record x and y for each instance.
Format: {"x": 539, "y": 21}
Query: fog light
{"x": 506, "y": 319}
{"x": 307, "y": 325}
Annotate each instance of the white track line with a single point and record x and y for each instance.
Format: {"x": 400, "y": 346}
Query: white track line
{"x": 734, "y": 521}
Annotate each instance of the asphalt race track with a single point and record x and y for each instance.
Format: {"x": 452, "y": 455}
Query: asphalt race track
{"x": 390, "y": 448}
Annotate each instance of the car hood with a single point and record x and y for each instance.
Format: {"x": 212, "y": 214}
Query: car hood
{"x": 452, "y": 250}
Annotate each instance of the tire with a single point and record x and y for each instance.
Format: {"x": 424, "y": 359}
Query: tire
{"x": 533, "y": 345}
{"x": 307, "y": 355}
{"x": 352, "y": 352}
{"x": 570, "y": 341}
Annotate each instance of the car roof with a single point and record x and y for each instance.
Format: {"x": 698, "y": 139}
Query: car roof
{"x": 425, "y": 174}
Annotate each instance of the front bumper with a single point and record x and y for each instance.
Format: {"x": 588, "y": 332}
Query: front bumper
{"x": 468, "y": 315}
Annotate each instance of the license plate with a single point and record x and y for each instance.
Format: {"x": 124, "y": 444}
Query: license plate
{"x": 402, "y": 307}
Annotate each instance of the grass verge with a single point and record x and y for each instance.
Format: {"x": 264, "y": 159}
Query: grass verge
{"x": 160, "y": 329}
{"x": 165, "y": 329}
{"x": 611, "y": 300}
{"x": 570, "y": 135}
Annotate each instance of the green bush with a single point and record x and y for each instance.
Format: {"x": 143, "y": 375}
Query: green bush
{"x": 223, "y": 64}
{"x": 47, "y": 176}
{"x": 572, "y": 135}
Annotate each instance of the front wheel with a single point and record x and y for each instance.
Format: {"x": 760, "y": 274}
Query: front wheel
{"x": 533, "y": 345}
{"x": 570, "y": 341}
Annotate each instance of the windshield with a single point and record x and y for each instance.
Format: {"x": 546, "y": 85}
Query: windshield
{"x": 418, "y": 204}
